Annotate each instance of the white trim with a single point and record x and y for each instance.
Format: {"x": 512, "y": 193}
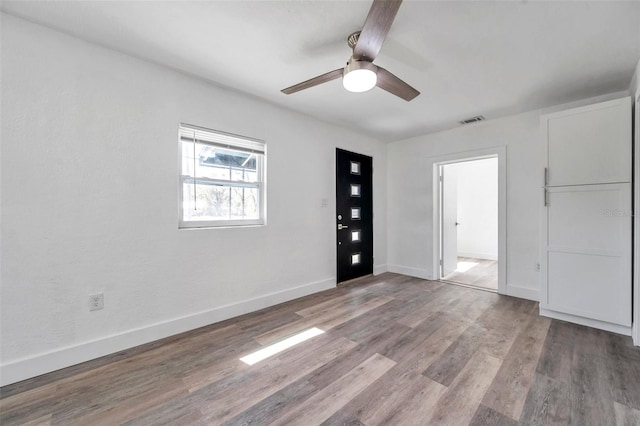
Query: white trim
{"x": 410, "y": 271}
{"x": 255, "y": 146}
{"x": 636, "y": 219}
{"x": 523, "y": 292}
{"x": 487, "y": 256}
{"x": 615, "y": 328}
{"x": 434, "y": 162}
{"x": 64, "y": 357}
{"x": 379, "y": 269}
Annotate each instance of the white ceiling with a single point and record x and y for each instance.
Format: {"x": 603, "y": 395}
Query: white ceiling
{"x": 467, "y": 58}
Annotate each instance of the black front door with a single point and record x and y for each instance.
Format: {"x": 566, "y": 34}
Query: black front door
{"x": 354, "y": 214}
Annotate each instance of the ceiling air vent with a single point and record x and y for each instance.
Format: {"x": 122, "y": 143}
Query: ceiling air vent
{"x": 473, "y": 119}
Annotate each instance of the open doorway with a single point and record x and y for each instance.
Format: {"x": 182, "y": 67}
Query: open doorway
{"x": 469, "y": 222}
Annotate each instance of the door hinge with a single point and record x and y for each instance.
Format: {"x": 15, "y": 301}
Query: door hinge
{"x": 440, "y": 262}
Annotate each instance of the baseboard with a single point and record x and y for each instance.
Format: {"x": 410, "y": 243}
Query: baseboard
{"x": 614, "y": 328}
{"x": 487, "y": 256}
{"x": 412, "y": 272}
{"x": 379, "y": 269}
{"x": 523, "y": 292}
{"x": 65, "y": 357}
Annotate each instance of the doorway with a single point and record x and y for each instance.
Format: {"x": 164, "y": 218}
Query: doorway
{"x": 468, "y": 201}
{"x": 354, "y": 215}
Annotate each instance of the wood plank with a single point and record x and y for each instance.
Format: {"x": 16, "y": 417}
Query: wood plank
{"x": 557, "y": 353}
{"x": 417, "y": 406}
{"x": 275, "y": 405}
{"x": 548, "y": 402}
{"x": 591, "y": 392}
{"x": 42, "y": 421}
{"x": 325, "y": 320}
{"x": 453, "y": 360}
{"x": 624, "y": 364}
{"x": 133, "y": 407}
{"x": 626, "y": 416}
{"x": 385, "y": 398}
{"x": 510, "y": 387}
{"x": 327, "y": 401}
{"x": 485, "y": 416}
{"x": 414, "y": 341}
{"x": 228, "y": 398}
{"x": 459, "y": 403}
{"x": 335, "y": 369}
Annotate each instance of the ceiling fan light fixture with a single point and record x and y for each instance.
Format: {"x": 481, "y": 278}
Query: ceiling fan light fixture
{"x": 359, "y": 76}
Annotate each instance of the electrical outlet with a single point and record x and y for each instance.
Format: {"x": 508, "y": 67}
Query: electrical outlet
{"x": 96, "y": 302}
{"x": 537, "y": 266}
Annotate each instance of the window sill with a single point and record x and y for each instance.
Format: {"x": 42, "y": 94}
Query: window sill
{"x": 185, "y": 226}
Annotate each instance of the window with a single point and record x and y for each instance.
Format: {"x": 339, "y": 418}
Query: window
{"x": 221, "y": 179}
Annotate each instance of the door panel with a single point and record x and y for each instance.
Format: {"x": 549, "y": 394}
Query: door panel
{"x": 587, "y": 252}
{"x": 589, "y": 286}
{"x": 354, "y": 215}
{"x": 587, "y": 217}
{"x": 449, "y": 187}
{"x": 590, "y": 145}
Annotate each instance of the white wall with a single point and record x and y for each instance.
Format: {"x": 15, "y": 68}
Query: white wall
{"x": 410, "y": 196}
{"x": 477, "y": 208}
{"x": 89, "y": 203}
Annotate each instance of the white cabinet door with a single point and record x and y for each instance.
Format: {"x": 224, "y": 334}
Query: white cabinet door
{"x": 586, "y": 224}
{"x": 589, "y": 145}
{"x": 587, "y": 262}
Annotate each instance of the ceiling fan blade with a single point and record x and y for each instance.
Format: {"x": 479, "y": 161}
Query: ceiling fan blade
{"x": 375, "y": 29}
{"x": 394, "y": 85}
{"x": 331, "y": 75}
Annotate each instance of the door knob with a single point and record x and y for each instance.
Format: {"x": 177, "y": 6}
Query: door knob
{"x": 341, "y": 226}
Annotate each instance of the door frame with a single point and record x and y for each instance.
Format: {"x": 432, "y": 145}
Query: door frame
{"x": 335, "y": 216}
{"x": 636, "y": 223}
{"x": 499, "y": 152}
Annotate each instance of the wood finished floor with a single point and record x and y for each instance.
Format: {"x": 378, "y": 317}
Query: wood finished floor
{"x": 397, "y": 351}
{"x": 484, "y": 274}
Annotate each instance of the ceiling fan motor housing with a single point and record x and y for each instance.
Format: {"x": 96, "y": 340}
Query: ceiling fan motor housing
{"x": 354, "y": 64}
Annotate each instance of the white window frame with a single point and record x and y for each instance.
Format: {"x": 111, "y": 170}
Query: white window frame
{"x": 218, "y": 139}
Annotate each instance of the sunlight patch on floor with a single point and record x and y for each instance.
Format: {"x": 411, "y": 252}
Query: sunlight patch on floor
{"x": 280, "y": 346}
{"x": 465, "y": 266}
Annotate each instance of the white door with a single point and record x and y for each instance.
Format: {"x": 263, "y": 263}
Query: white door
{"x": 586, "y": 221}
{"x": 449, "y": 219}
{"x": 588, "y": 261}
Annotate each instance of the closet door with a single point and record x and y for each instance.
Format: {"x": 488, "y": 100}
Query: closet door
{"x": 589, "y": 145}
{"x": 588, "y": 252}
{"x": 586, "y": 220}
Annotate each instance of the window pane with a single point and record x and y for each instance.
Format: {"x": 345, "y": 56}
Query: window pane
{"x": 355, "y": 190}
{"x": 218, "y": 163}
{"x": 219, "y": 202}
{"x": 355, "y": 168}
{"x": 222, "y": 179}
{"x": 355, "y": 213}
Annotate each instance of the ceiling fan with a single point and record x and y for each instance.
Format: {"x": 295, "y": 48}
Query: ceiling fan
{"x": 361, "y": 74}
